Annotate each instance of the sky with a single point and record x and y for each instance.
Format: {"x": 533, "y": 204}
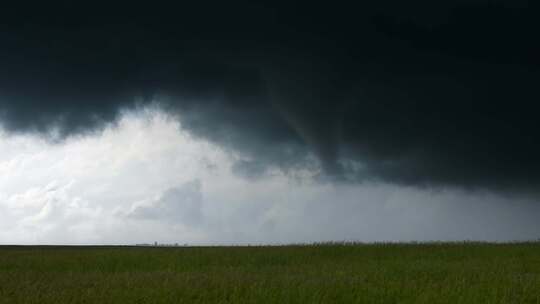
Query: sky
{"x": 261, "y": 123}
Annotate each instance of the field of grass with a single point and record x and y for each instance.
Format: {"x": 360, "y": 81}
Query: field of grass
{"x": 379, "y": 273}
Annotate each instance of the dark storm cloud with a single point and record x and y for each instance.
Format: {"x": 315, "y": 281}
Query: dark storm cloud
{"x": 417, "y": 93}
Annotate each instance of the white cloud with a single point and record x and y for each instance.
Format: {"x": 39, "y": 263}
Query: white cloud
{"x": 180, "y": 204}
{"x": 146, "y": 180}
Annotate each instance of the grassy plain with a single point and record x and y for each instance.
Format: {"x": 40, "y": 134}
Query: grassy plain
{"x": 377, "y": 273}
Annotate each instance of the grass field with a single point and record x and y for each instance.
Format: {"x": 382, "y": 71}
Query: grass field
{"x": 379, "y": 273}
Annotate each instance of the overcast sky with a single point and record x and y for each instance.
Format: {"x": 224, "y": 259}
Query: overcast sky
{"x": 264, "y": 123}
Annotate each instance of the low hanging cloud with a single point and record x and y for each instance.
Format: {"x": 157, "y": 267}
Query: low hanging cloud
{"x": 147, "y": 180}
{"x": 420, "y": 94}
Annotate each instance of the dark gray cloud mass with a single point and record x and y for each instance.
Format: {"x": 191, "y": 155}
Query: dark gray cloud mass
{"x": 419, "y": 93}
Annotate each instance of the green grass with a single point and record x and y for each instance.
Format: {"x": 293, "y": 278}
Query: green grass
{"x": 380, "y": 273}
